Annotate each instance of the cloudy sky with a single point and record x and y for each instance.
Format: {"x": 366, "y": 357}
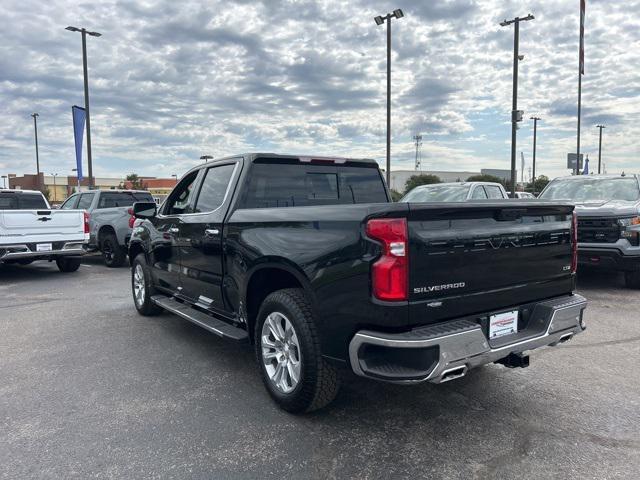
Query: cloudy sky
{"x": 170, "y": 81}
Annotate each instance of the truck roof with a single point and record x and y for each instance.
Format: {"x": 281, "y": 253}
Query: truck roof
{"x": 255, "y": 155}
{"x": 597, "y": 176}
{"x": 11, "y": 190}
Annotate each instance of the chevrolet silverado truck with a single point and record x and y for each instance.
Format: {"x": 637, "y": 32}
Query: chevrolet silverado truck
{"x": 309, "y": 260}
{"x": 110, "y": 220}
{"x": 30, "y": 230}
{"x": 608, "y": 209}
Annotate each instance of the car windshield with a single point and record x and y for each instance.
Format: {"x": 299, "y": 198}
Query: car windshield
{"x": 593, "y": 189}
{"x": 438, "y": 193}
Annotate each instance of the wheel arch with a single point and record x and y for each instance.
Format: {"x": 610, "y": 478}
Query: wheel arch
{"x": 265, "y": 279}
{"x": 103, "y": 232}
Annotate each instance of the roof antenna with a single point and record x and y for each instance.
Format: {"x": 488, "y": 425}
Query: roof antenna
{"x": 623, "y": 174}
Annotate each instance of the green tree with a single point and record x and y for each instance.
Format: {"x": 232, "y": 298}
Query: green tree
{"x": 135, "y": 182}
{"x": 541, "y": 182}
{"x": 395, "y": 195}
{"x": 46, "y": 193}
{"x": 485, "y": 178}
{"x": 417, "y": 180}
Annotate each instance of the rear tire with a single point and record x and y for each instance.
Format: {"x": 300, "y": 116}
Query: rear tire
{"x": 288, "y": 346}
{"x": 68, "y": 264}
{"x": 632, "y": 279}
{"x": 142, "y": 287}
{"x": 114, "y": 255}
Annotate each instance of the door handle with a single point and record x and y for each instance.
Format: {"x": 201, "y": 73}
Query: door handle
{"x": 174, "y": 230}
{"x": 210, "y": 232}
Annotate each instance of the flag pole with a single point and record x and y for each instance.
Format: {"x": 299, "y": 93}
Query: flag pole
{"x": 580, "y": 73}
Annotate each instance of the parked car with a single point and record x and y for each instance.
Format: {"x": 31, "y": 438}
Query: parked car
{"x": 30, "y": 230}
{"x": 521, "y": 195}
{"x": 456, "y": 192}
{"x": 110, "y": 220}
{"x": 308, "y": 259}
{"x": 608, "y": 208}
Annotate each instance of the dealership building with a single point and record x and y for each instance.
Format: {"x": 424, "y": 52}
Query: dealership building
{"x": 61, "y": 186}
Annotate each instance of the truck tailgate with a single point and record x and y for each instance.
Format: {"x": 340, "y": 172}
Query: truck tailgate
{"x": 26, "y": 226}
{"x": 475, "y": 257}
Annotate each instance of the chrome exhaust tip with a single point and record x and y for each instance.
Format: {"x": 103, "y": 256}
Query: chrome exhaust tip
{"x": 453, "y": 373}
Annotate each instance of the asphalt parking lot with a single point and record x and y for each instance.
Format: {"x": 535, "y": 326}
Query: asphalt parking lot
{"x": 88, "y": 388}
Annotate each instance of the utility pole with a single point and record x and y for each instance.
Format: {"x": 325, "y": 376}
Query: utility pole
{"x": 35, "y": 129}
{"x": 535, "y": 135}
{"x": 418, "y": 140}
{"x": 522, "y": 167}
{"x": 379, "y": 21}
{"x": 84, "y": 33}
{"x": 516, "y": 116}
{"x": 580, "y": 73}
{"x": 601, "y": 127}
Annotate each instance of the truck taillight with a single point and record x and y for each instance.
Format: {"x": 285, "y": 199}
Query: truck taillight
{"x": 390, "y": 273}
{"x": 132, "y": 218}
{"x": 574, "y": 243}
{"x": 86, "y": 223}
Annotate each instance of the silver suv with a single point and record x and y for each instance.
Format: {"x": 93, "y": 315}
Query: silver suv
{"x": 608, "y": 208}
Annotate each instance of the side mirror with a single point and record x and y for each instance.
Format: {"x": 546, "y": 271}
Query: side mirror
{"x": 145, "y": 209}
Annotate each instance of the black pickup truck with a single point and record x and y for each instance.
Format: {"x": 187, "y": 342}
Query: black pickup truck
{"x": 308, "y": 259}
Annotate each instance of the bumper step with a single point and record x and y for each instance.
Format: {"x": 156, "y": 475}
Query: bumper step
{"x": 220, "y": 328}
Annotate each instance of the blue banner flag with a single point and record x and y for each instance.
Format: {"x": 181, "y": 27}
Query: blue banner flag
{"x": 78, "y": 115}
{"x": 586, "y": 167}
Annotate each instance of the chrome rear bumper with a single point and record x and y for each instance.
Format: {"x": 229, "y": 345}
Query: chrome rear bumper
{"x": 22, "y": 251}
{"x": 442, "y": 352}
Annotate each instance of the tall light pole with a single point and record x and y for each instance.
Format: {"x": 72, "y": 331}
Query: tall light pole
{"x": 35, "y": 129}
{"x": 379, "y": 21}
{"x": 535, "y": 135}
{"x": 601, "y": 127}
{"x": 516, "y": 116}
{"x": 84, "y": 33}
{"x": 418, "y": 140}
{"x": 206, "y": 158}
{"x": 55, "y": 197}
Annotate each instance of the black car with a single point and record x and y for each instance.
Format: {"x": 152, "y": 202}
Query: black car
{"x": 308, "y": 259}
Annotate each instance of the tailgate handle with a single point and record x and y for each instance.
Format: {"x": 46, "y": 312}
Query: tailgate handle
{"x": 510, "y": 214}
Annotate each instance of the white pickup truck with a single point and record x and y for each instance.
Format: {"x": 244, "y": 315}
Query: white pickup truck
{"x": 30, "y": 230}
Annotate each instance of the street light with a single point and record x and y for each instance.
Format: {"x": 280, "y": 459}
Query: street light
{"x": 84, "y": 33}
{"x": 601, "y": 127}
{"x": 54, "y": 187}
{"x": 535, "y": 135}
{"x": 35, "y": 129}
{"x": 206, "y": 158}
{"x": 379, "y": 21}
{"x": 516, "y": 116}
{"x": 175, "y": 176}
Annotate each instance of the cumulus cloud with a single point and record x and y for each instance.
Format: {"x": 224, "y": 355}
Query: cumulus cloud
{"x": 171, "y": 81}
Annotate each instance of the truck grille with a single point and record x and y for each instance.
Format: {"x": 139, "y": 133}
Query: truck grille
{"x": 598, "y": 230}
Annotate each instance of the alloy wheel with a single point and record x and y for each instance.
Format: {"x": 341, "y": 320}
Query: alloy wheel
{"x": 138, "y": 285}
{"x": 281, "y": 352}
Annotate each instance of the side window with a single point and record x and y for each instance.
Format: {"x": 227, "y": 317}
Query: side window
{"x": 85, "y": 201}
{"x": 493, "y": 191}
{"x": 214, "y": 188}
{"x": 178, "y": 201}
{"x": 70, "y": 203}
{"x": 478, "y": 193}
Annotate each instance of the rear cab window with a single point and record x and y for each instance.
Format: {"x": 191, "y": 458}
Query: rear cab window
{"x": 493, "y": 191}
{"x": 122, "y": 199}
{"x": 22, "y": 201}
{"x": 291, "y": 183}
